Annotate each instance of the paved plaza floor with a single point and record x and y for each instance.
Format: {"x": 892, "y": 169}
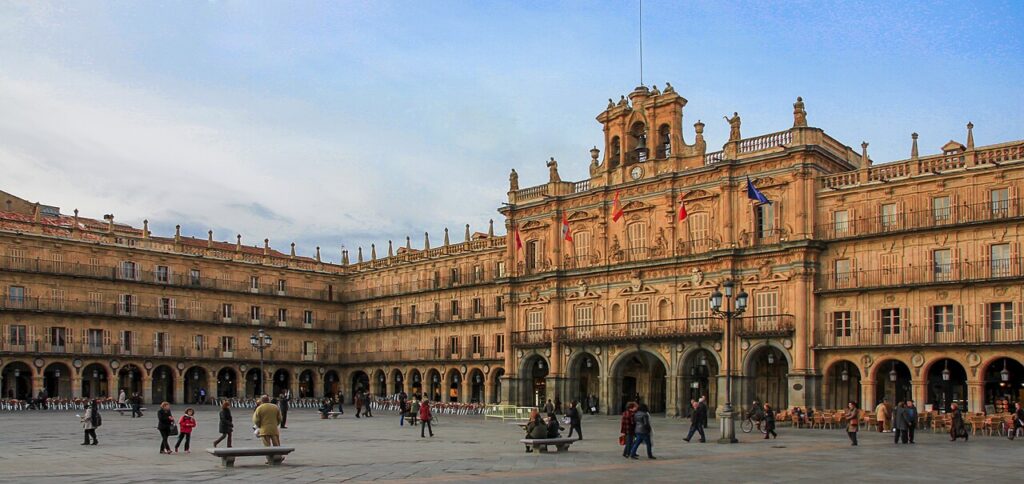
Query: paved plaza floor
{"x": 44, "y": 447}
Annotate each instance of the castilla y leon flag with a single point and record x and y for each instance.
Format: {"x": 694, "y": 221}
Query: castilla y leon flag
{"x": 519, "y": 241}
{"x": 616, "y": 208}
{"x": 682, "y": 210}
{"x": 566, "y": 235}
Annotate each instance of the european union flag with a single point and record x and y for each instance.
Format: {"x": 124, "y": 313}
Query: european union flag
{"x": 754, "y": 194}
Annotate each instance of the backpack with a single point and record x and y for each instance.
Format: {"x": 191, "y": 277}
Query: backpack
{"x": 99, "y": 419}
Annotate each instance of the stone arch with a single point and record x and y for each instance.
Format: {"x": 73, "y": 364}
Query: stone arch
{"x": 639, "y": 372}
{"x": 17, "y": 380}
{"x": 227, "y": 382}
{"x": 1002, "y": 378}
{"x": 332, "y": 383}
{"x": 886, "y": 387}
{"x": 837, "y": 391}
{"x": 129, "y": 379}
{"x": 495, "y": 375}
{"x": 397, "y": 381}
{"x": 697, "y": 374}
{"x": 96, "y": 381}
{"x": 307, "y": 383}
{"x": 585, "y": 370}
{"x": 941, "y": 392}
{"x": 416, "y": 384}
{"x": 766, "y": 368}
{"x": 57, "y": 379}
{"x": 533, "y": 372}
{"x": 163, "y": 383}
{"x": 434, "y": 384}
{"x": 196, "y": 381}
{"x": 477, "y": 382}
{"x": 379, "y": 383}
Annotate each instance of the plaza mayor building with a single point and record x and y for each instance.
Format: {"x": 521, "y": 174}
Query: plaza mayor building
{"x": 843, "y": 280}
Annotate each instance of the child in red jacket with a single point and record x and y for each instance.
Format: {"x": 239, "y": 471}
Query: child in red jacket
{"x": 185, "y": 426}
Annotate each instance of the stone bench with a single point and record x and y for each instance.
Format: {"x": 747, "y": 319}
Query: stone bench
{"x": 122, "y": 410}
{"x": 227, "y": 454}
{"x": 541, "y": 445}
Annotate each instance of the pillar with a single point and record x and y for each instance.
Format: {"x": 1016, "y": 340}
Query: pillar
{"x": 976, "y": 396}
{"x": 76, "y": 384}
{"x": 147, "y": 388}
{"x": 179, "y": 389}
{"x": 919, "y": 389}
{"x": 867, "y": 394}
{"x": 671, "y": 396}
{"x": 37, "y": 384}
{"x": 605, "y": 400}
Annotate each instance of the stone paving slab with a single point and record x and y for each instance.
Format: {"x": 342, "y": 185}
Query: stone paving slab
{"x": 44, "y": 447}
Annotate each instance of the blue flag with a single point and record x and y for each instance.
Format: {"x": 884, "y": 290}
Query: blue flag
{"x": 754, "y": 194}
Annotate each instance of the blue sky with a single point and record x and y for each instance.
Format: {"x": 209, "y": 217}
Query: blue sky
{"x": 346, "y": 123}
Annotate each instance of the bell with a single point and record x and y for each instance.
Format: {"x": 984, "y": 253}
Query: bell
{"x": 641, "y": 148}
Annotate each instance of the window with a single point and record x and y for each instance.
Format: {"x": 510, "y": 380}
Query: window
{"x": 308, "y": 348}
{"x": 478, "y": 273}
{"x": 437, "y": 279}
{"x": 942, "y": 318}
{"x": 764, "y": 220}
{"x": 499, "y": 304}
{"x": 227, "y": 344}
{"x": 94, "y": 338}
{"x": 127, "y": 304}
{"x": 163, "y": 274}
{"x": 57, "y": 296}
{"x": 161, "y": 341}
{"x": 639, "y": 311}
{"x": 581, "y": 247}
{"x": 195, "y": 309}
{"x": 940, "y": 209}
{"x": 194, "y": 277}
{"x": 636, "y": 234}
{"x": 129, "y": 270}
{"x": 225, "y": 310}
{"x": 254, "y": 313}
{"x": 282, "y": 315}
{"x": 453, "y": 276}
{"x": 453, "y": 344}
{"x": 477, "y": 348}
{"x": 16, "y": 334}
{"x": 999, "y": 257}
{"x": 281, "y": 285}
{"x": 254, "y": 283}
{"x": 532, "y": 254}
{"x": 888, "y": 216}
{"x": 535, "y": 320}
{"x": 501, "y": 269}
{"x": 412, "y": 314}
{"x": 199, "y": 342}
{"x": 127, "y": 341}
{"x": 697, "y": 223}
{"x": 95, "y": 301}
{"x": 891, "y": 321}
{"x": 843, "y": 273}
{"x": 307, "y": 317}
{"x": 499, "y": 343}
{"x": 437, "y": 310}
{"x": 57, "y": 259}
{"x": 378, "y": 315}
{"x": 841, "y": 322}
{"x": 942, "y": 264}
{"x": 699, "y": 308}
{"x": 166, "y": 307}
{"x": 16, "y": 295}
{"x": 362, "y": 317}
{"x": 1000, "y": 202}
{"x": 478, "y": 306}
{"x": 455, "y": 308}
{"x": 842, "y": 221}
{"x": 1001, "y": 315}
{"x": 396, "y": 315}
{"x": 766, "y": 303}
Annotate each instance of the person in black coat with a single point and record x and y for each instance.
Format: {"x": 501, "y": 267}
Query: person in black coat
{"x": 574, "y": 419}
{"x": 697, "y": 419}
{"x": 136, "y": 405}
{"x": 769, "y": 422}
{"x": 553, "y": 426}
{"x": 900, "y": 423}
{"x": 226, "y": 425}
{"x": 282, "y": 403}
{"x": 957, "y": 429}
{"x": 164, "y": 422}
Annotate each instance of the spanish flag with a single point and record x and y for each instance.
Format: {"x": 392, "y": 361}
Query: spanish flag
{"x": 616, "y": 208}
{"x": 566, "y": 234}
{"x": 682, "y": 210}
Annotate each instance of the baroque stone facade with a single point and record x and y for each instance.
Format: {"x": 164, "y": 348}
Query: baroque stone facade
{"x": 899, "y": 280}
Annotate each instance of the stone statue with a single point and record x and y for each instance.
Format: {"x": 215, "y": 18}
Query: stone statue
{"x": 734, "y": 126}
{"x": 553, "y": 171}
{"x": 655, "y": 91}
{"x": 799, "y": 114}
{"x": 669, "y": 88}
{"x": 622, "y": 101}
{"x": 611, "y": 104}
{"x": 616, "y": 249}
{"x": 660, "y": 243}
{"x": 513, "y": 181}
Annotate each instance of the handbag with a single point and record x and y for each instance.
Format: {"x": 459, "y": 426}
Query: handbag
{"x": 173, "y": 430}
{"x": 622, "y": 439}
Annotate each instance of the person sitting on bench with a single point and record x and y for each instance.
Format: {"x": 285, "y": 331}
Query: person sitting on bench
{"x": 553, "y": 426}
{"x": 535, "y": 428}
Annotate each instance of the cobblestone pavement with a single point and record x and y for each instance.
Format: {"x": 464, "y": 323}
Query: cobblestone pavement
{"x": 44, "y": 447}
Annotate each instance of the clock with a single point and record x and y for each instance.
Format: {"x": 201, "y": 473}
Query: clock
{"x": 636, "y": 172}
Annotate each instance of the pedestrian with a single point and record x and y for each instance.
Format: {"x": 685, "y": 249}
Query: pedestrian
{"x": 164, "y": 423}
{"x": 136, "y": 405}
{"x": 535, "y": 428}
{"x": 202, "y": 396}
{"x": 359, "y": 403}
{"x": 703, "y": 402}
{"x": 882, "y": 415}
{"x": 549, "y": 407}
{"x": 643, "y": 432}
{"x": 1017, "y": 421}
{"x": 697, "y": 419}
{"x": 267, "y": 418}
{"x": 627, "y": 429}
{"x": 911, "y": 420}
{"x": 403, "y": 408}
{"x": 769, "y": 422}
{"x": 414, "y": 411}
{"x": 368, "y": 405}
{"x": 558, "y": 405}
{"x": 226, "y": 426}
{"x": 957, "y": 428}
{"x": 425, "y": 418}
{"x": 91, "y": 421}
{"x": 185, "y": 426}
{"x": 575, "y": 419}
{"x": 122, "y": 399}
{"x": 852, "y": 417}
{"x": 341, "y": 402}
{"x": 899, "y": 423}
{"x": 283, "y": 402}
{"x": 553, "y": 427}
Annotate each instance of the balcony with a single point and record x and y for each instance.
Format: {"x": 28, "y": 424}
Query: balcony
{"x": 765, "y": 326}
{"x": 120, "y": 274}
{"x": 469, "y": 278}
{"x": 409, "y": 319}
{"x": 951, "y": 273}
{"x": 422, "y": 355}
{"x": 830, "y": 336}
{"x": 641, "y": 331}
{"x": 40, "y": 347}
{"x": 537, "y": 338}
{"x": 995, "y": 211}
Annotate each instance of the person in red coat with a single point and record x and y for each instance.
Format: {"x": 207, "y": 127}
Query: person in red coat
{"x": 627, "y": 427}
{"x": 425, "y": 418}
{"x": 185, "y": 426}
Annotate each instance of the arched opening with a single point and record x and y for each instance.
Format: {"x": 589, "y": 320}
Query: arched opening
{"x": 1004, "y": 384}
{"x": 307, "y": 382}
{"x": 664, "y": 142}
{"x": 17, "y": 381}
{"x": 417, "y": 383}
{"x": 476, "y": 386}
{"x": 381, "y": 384}
{"x": 253, "y": 383}
{"x": 397, "y": 382}
{"x": 947, "y": 384}
{"x": 360, "y": 383}
{"x": 615, "y": 153}
{"x": 584, "y": 378}
{"x": 892, "y": 382}
{"x": 842, "y": 385}
{"x": 57, "y": 380}
{"x": 700, "y": 371}
{"x": 496, "y": 385}
{"x": 640, "y": 377}
{"x": 452, "y": 385}
{"x": 638, "y": 139}
{"x": 332, "y": 384}
{"x": 534, "y": 381}
{"x": 196, "y": 385}
{"x": 163, "y": 384}
{"x": 768, "y": 377}
{"x": 129, "y": 379}
{"x": 227, "y": 383}
{"x": 96, "y": 382}
{"x": 282, "y": 381}
{"x": 434, "y": 379}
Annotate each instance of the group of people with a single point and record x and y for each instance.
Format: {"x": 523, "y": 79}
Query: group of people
{"x": 417, "y": 409}
{"x": 135, "y": 401}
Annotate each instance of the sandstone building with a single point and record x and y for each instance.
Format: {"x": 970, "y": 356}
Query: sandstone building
{"x": 864, "y": 280}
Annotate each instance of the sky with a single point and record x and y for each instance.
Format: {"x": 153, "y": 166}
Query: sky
{"x": 341, "y": 124}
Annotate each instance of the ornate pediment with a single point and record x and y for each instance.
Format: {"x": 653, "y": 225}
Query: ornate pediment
{"x": 582, "y": 292}
{"x": 533, "y": 297}
{"x": 953, "y": 147}
{"x": 636, "y": 287}
{"x": 695, "y": 281}
{"x": 581, "y": 216}
{"x": 532, "y": 225}
{"x": 697, "y": 195}
{"x": 636, "y": 205}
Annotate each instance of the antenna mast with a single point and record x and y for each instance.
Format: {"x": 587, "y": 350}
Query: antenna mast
{"x": 641, "y": 42}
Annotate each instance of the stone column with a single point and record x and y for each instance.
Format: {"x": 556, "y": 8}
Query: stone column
{"x": 671, "y": 396}
{"x": 147, "y": 388}
{"x": 919, "y": 389}
{"x": 605, "y": 400}
{"x": 179, "y": 389}
{"x": 975, "y": 396}
{"x": 867, "y": 394}
{"x": 76, "y": 384}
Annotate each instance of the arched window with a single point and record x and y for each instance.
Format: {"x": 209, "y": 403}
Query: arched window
{"x": 615, "y": 153}
{"x": 638, "y": 133}
{"x": 664, "y": 142}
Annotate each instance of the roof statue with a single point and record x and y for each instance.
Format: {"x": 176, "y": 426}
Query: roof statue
{"x": 734, "y": 126}
{"x": 799, "y": 113}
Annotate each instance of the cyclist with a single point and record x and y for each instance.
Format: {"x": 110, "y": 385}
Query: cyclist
{"x": 756, "y": 413}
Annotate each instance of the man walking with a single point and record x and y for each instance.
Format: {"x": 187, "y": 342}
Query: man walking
{"x": 267, "y": 418}
{"x": 852, "y": 417}
{"x": 286, "y": 396}
{"x": 911, "y": 419}
{"x": 136, "y": 405}
{"x": 574, "y": 420}
{"x": 425, "y": 418}
{"x": 403, "y": 408}
{"x": 899, "y": 423}
{"x": 697, "y": 418}
{"x": 358, "y": 402}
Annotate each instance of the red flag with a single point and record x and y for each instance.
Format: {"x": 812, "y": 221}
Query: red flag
{"x": 566, "y": 235}
{"x": 616, "y": 209}
{"x": 519, "y": 241}
{"x": 682, "y": 211}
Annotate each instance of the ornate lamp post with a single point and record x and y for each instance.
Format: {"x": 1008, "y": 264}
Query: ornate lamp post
{"x": 260, "y": 340}
{"x": 729, "y": 311}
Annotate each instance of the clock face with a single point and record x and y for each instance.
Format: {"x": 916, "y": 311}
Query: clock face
{"x": 636, "y": 172}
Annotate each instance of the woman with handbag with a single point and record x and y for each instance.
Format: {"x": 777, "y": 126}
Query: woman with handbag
{"x": 165, "y": 424}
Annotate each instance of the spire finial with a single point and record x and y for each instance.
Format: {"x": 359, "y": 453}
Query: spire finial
{"x": 490, "y": 228}
{"x": 209, "y": 239}
{"x": 145, "y": 228}
{"x": 373, "y": 251}
{"x": 266, "y": 247}
{"x": 238, "y": 243}
{"x": 799, "y": 113}
{"x": 446, "y": 236}
{"x": 344, "y": 257}
{"x": 864, "y": 153}
{"x": 318, "y": 253}
{"x": 913, "y": 148}
{"x": 391, "y": 252}
{"x": 467, "y": 232}
{"x": 293, "y": 249}
{"x": 360, "y": 255}
{"x": 408, "y": 242}
{"x": 970, "y": 135}
{"x": 426, "y": 241}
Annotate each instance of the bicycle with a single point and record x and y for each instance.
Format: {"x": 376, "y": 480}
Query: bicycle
{"x": 748, "y": 423}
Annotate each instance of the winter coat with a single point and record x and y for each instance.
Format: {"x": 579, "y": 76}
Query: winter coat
{"x": 186, "y": 423}
{"x": 852, "y": 420}
{"x": 553, "y": 428}
{"x": 574, "y": 416}
{"x": 226, "y": 425}
{"x": 536, "y": 429}
{"x": 769, "y": 420}
{"x": 881, "y": 413}
{"x": 626, "y": 425}
{"x": 700, "y": 415}
{"x": 87, "y": 420}
{"x": 164, "y": 420}
{"x": 957, "y": 429}
{"x": 899, "y": 419}
{"x": 912, "y": 417}
{"x": 425, "y": 414}
{"x": 643, "y": 422}
{"x": 267, "y": 418}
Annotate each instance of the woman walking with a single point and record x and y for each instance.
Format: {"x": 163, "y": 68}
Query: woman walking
{"x": 957, "y": 429}
{"x": 164, "y": 423}
{"x": 425, "y": 418}
{"x": 226, "y": 425}
{"x": 186, "y": 424}
{"x": 574, "y": 420}
{"x": 90, "y": 421}
{"x": 852, "y": 417}
{"x": 769, "y": 422}
{"x": 643, "y": 432}
{"x": 627, "y": 428}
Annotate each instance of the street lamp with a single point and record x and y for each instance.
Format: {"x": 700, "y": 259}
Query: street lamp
{"x": 728, "y": 311}
{"x": 1005, "y": 374}
{"x": 260, "y": 340}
